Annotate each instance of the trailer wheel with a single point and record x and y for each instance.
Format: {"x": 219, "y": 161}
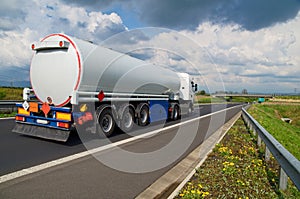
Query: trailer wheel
{"x": 127, "y": 121}
{"x": 106, "y": 122}
{"x": 143, "y": 115}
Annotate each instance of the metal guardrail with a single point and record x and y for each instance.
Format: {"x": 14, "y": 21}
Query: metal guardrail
{"x": 8, "y": 105}
{"x": 289, "y": 165}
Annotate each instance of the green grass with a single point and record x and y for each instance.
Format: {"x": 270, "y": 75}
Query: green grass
{"x": 243, "y": 99}
{"x": 288, "y": 97}
{"x": 11, "y": 114}
{"x": 233, "y": 170}
{"x": 9, "y": 93}
{"x": 236, "y": 169}
{"x": 208, "y": 100}
{"x": 269, "y": 116}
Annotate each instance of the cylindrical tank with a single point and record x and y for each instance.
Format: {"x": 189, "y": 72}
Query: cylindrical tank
{"x": 62, "y": 64}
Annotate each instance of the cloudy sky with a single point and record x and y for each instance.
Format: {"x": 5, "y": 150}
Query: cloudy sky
{"x": 227, "y": 45}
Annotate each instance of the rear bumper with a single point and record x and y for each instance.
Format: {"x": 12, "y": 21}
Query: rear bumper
{"x": 42, "y": 132}
{"x": 55, "y": 124}
{"x": 49, "y": 120}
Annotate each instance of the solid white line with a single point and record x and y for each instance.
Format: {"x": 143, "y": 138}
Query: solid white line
{"x": 53, "y": 163}
{"x": 7, "y": 118}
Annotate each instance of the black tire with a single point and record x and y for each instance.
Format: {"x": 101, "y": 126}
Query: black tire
{"x": 106, "y": 123}
{"x": 143, "y": 115}
{"x": 127, "y": 120}
{"x": 176, "y": 113}
{"x": 191, "y": 109}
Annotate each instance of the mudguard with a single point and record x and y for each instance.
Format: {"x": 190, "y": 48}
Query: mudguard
{"x": 42, "y": 132}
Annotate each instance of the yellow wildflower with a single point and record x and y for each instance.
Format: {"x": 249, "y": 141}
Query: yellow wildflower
{"x": 205, "y": 194}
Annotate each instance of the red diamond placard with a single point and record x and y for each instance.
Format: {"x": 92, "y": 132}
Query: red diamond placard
{"x": 101, "y": 96}
{"x": 45, "y": 108}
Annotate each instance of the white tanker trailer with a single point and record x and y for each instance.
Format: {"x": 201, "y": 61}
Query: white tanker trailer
{"x": 78, "y": 83}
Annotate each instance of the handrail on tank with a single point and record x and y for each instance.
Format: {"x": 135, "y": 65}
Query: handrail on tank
{"x": 83, "y": 96}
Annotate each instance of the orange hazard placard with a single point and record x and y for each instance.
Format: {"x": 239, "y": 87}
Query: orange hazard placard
{"x": 45, "y": 108}
{"x": 33, "y": 107}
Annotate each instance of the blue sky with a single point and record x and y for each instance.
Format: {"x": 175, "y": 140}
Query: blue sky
{"x": 227, "y": 45}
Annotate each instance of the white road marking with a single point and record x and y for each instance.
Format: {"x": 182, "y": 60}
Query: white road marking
{"x": 7, "y": 118}
{"x": 53, "y": 163}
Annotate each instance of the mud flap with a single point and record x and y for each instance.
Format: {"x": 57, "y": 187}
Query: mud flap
{"x": 42, "y": 132}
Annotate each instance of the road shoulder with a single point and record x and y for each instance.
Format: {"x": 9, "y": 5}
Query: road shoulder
{"x": 171, "y": 182}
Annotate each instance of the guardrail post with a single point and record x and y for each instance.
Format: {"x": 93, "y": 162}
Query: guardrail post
{"x": 258, "y": 140}
{"x": 286, "y": 160}
{"x": 251, "y": 127}
{"x": 267, "y": 154}
{"x": 254, "y": 132}
{"x": 282, "y": 180}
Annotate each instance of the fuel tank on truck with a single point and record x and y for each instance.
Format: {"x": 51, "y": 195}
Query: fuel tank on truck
{"x": 62, "y": 64}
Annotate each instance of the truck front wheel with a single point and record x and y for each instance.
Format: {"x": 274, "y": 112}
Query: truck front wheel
{"x": 176, "y": 113}
{"x": 106, "y": 122}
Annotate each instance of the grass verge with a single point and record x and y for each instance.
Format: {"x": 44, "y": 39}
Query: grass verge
{"x": 10, "y": 114}
{"x": 7, "y": 93}
{"x": 269, "y": 116}
{"x": 235, "y": 169}
{"x": 208, "y": 99}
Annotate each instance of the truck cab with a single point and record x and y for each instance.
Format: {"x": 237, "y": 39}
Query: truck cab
{"x": 186, "y": 93}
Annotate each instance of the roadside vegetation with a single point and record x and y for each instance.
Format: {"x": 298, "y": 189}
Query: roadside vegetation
{"x": 289, "y": 97}
{"x": 288, "y": 134}
{"x": 236, "y": 169}
{"x": 10, "y": 93}
{"x": 7, "y": 114}
{"x": 203, "y": 99}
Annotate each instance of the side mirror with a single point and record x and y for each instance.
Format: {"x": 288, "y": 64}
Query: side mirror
{"x": 196, "y": 87}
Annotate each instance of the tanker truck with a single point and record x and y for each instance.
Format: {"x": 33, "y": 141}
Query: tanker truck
{"x": 75, "y": 83}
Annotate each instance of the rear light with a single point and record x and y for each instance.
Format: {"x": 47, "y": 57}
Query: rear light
{"x": 32, "y": 46}
{"x": 22, "y": 111}
{"x": 63, "y": 116}
{"x": 63, "y": 125}
{"x": 61, "y": 43}
{"x": 20, "y": 118}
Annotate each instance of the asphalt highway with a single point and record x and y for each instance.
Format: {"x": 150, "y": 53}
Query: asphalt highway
{"x": 88, "y": 177}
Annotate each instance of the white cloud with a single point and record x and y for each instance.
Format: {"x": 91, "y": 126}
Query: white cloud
{"x": 36, "y": 19}
{"x": 254, "y": 59}
{"x": 15, "y": 49}
{"x": 266, "y": 59}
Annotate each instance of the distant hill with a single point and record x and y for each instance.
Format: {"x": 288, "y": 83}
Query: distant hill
{"x": 15, "y": 84}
